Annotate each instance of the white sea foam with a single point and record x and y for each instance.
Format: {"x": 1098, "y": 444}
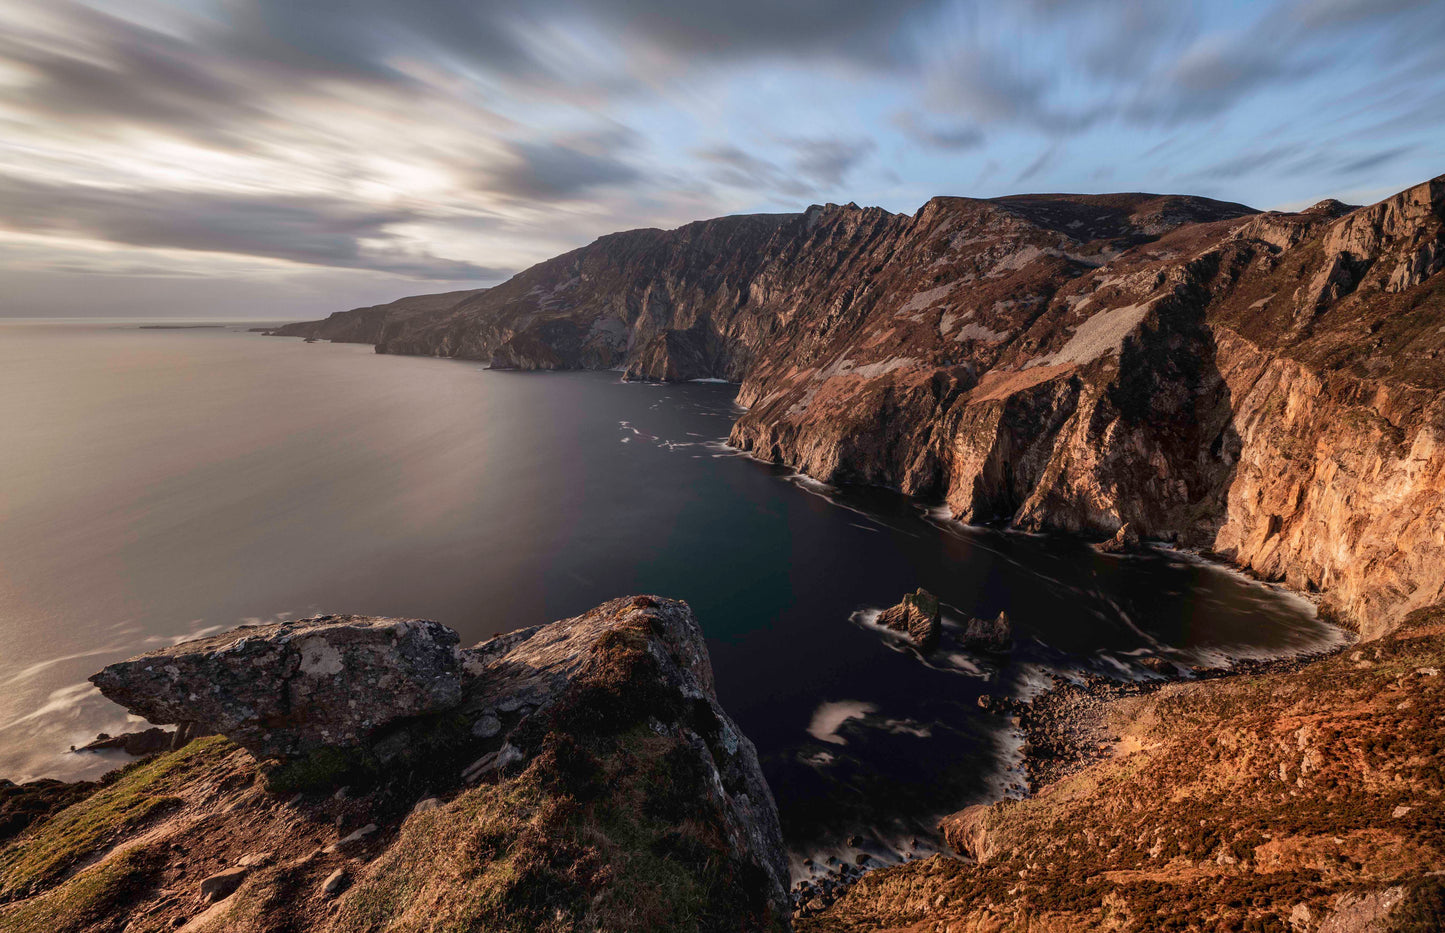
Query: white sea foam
{"x": 828, "y": 718}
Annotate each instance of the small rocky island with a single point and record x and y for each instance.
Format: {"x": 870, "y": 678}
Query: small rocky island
{"x": 916, "y": 616}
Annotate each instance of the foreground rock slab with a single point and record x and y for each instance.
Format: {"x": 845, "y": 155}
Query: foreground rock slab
{"x": 617, "y": 795}
{"x": 286, "y": 689}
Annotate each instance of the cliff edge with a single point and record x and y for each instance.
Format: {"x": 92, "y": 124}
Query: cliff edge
{"x": 573, "y": 776}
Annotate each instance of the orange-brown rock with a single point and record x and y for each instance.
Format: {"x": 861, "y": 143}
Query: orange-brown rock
{"x": 916, "y": 616}
{"x": 1269, "y": 387}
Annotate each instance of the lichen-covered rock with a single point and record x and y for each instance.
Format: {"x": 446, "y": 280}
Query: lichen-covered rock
{"x": 916, "y": 616}
{"x": 284, "y": 690}
{"x": 993, "y": 635}
{"x": 628, "y": 801}
{"x": 636, "y": 664}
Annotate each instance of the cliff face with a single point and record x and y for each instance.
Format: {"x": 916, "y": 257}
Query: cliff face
{"x": 1268, "y": 388}
{"x": 377, "y": 323}
{"x": 1264, "y": 386}
{"x": 671, "y": 304}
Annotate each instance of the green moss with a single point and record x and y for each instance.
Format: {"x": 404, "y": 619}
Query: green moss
{"x": 92, "y": 896}
{"x": 324, "y": 768}
{"x": 43, "y": 855}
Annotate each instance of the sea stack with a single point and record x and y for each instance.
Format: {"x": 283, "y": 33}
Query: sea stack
{"x": 916, "y": 615}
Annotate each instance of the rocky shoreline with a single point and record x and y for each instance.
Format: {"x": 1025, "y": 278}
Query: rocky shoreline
{"x": 1064, "y": 730}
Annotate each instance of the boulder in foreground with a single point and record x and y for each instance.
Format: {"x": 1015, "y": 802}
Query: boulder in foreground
{"x": 287, "y": 689}
{"x": 585, "y": 778}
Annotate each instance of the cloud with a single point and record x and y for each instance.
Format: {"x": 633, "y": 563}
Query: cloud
{"x": 934, "y": 136}
{"x": 827, "y": 162}
{"x": 315, "y": 231}
{"x": 732, "y": 166}
{"x": 815, "y": 166}
{"x": 1211, "y": 76}
{"x": 1045, "y": 160}
{"x": 104, "y": 72}
{"x": 557, "y": 172}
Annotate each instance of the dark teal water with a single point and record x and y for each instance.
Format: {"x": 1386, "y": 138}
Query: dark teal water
{"x": 156, "y": 484}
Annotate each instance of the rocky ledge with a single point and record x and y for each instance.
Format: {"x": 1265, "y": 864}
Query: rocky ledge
{"x": 291, "y": 688}
{"x": 372, "y": 775}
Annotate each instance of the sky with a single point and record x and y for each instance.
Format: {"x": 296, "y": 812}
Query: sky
{"x": 283, "y": 159}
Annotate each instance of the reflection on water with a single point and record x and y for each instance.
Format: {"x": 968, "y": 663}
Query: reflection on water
{"x": 160, "y": 484}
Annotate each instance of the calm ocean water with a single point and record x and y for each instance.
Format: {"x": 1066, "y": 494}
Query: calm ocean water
{"x": 159, "y": 484}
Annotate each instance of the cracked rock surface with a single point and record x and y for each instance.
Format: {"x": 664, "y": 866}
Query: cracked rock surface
{"x": 286, "y": 689}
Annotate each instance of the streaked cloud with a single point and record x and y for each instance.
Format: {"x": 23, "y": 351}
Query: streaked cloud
{"x": 457, "y": 140}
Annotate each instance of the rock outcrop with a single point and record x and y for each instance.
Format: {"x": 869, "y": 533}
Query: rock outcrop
{"x": 572, "y": 776}
{"x": 916, "y": 616}
{"x": 1124, "y": 541}
{"x": 1267, "y": 387}
{"x": 995, "y": 635}
{"x": 287, "y": 689}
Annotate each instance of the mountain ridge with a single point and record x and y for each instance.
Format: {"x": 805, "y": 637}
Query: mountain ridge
{"x": 1263, "y": 386}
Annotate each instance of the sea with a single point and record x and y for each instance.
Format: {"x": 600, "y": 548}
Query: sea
{"x": 162, "y": 483}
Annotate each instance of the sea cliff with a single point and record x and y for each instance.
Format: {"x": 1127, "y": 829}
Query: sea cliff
{"x": 1266, "y": 387}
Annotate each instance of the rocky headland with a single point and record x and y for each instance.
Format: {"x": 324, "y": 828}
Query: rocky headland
{"x": 369, "y": 774}
{"x": 1265, "y": 387}
{"x": 1290, "y": 796}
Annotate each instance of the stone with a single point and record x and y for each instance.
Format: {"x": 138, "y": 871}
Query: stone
{"x": 284, "y": 690}
{"x": 1125, "y": 540}
{"x": 256, "y": 858}
{"x": 335, "y": 883}
{"x": 916, "y": 616}
{"x": 352, "y": 838}
{"x": 1158, "y": 665}
{"x": 426, "y": 805}
{"x": 992, "y": 635}
{"x": 498, "y": 760}
{"x": 145, "y": 742}
{"x": 966, "y": 832}
{"x": 486, "y": 726}
{"x": 222, "y": 884}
